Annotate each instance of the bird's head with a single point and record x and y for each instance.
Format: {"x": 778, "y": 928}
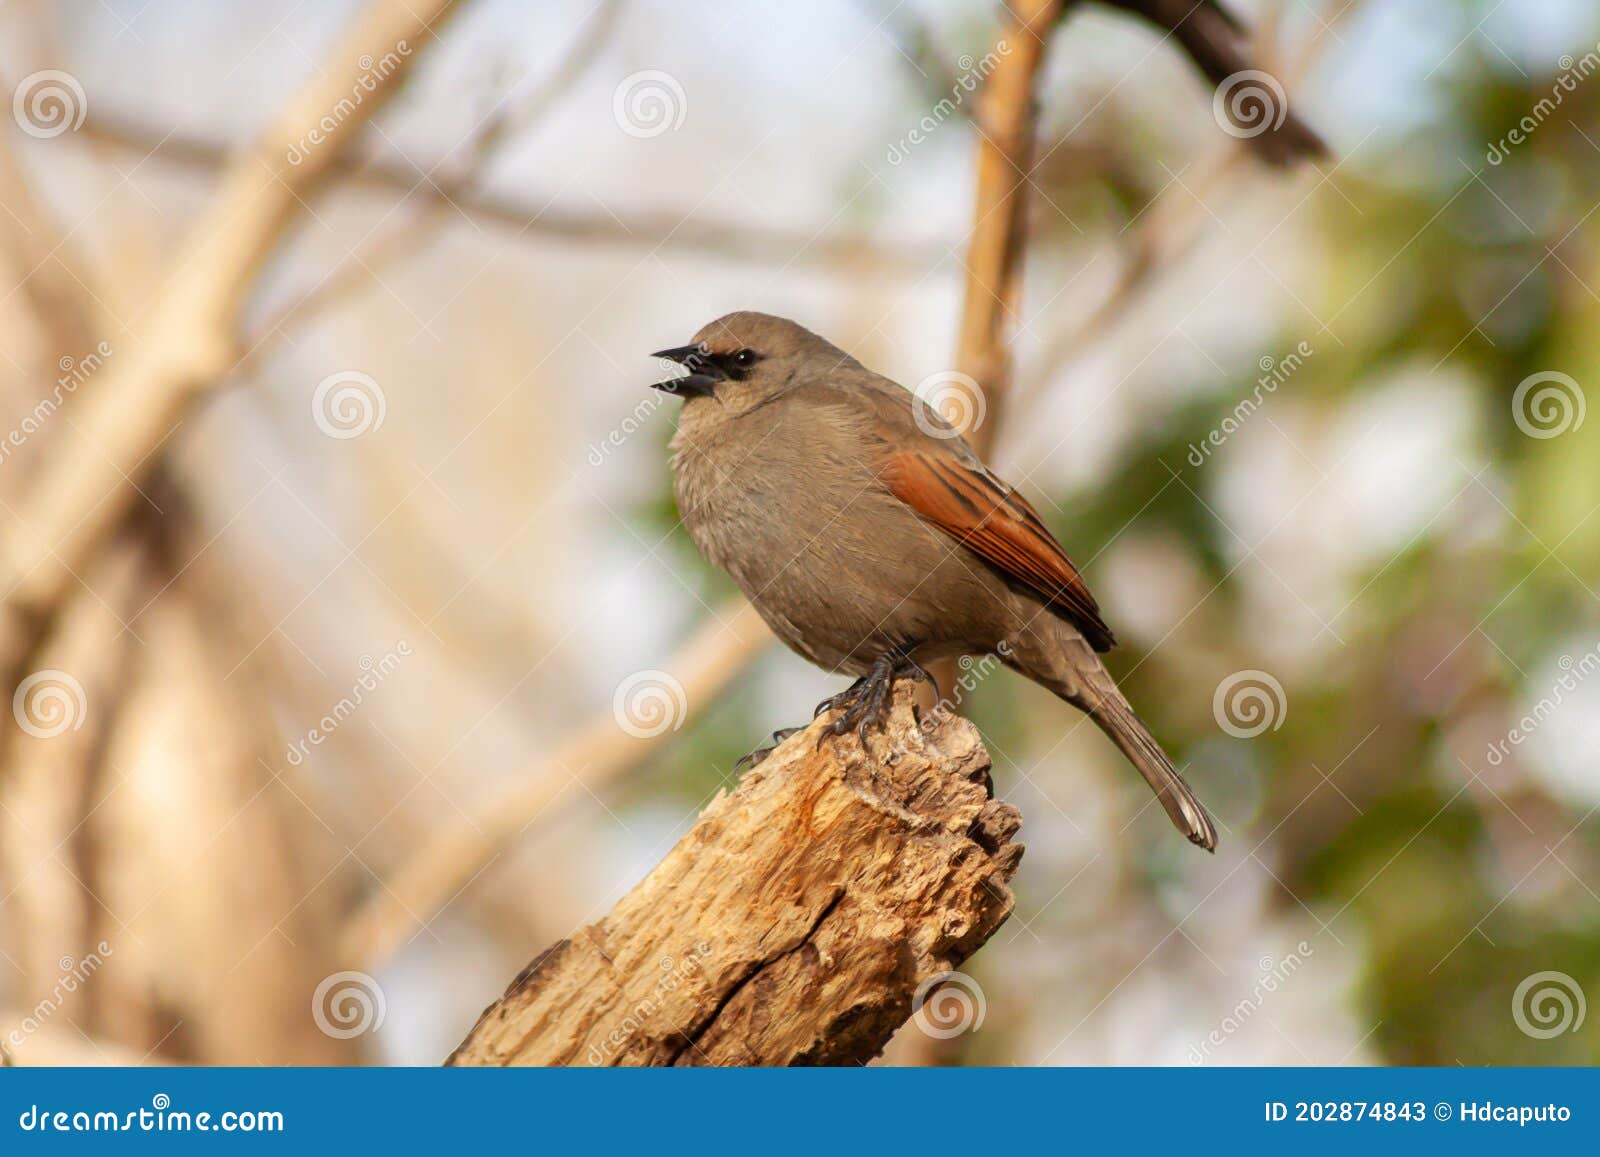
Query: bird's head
{"x": 744, "y": 359}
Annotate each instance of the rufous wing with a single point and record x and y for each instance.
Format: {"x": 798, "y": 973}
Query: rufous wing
{"x": 998, "y": 525}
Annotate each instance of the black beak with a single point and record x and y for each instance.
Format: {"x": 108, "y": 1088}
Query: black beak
{"x": 699, "y": 382}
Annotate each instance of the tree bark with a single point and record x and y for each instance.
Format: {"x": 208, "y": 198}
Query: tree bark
{"x": 800, "y": 921}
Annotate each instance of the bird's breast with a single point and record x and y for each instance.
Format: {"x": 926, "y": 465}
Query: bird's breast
{"x": 805, "y": 529}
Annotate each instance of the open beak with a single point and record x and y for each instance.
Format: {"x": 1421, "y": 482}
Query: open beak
{"x": 680, "y": 354}
{"x": 699, "y": 382}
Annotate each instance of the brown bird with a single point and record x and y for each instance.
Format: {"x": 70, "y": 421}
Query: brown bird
{"x": 871, "y": 538}
{"x": 1215, "y": 40}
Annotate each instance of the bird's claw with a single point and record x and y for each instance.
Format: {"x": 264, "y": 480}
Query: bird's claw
{"x": 755, "y": 758}
{"x": 917, "y": 671}
{"x": 843, "y": 698}
{"x": 865, "y": 702}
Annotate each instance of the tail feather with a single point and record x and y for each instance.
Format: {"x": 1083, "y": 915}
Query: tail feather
{"x": 1054, "y": 654}
{"x": 1116, "y": 718}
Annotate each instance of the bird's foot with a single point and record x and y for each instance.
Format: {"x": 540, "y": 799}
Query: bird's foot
{"x": 865, "y": 702}
{"x": 756, "y": 757}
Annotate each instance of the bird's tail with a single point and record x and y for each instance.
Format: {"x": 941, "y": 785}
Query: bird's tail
{"x": 1065, "y": 664}
{"x": 1116, "y": 718}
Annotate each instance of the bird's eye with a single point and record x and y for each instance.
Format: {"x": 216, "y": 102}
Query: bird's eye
{"x": 744, "y": 359}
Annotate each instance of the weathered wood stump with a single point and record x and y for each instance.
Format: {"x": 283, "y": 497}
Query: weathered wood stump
{"x": 793, "y": 924}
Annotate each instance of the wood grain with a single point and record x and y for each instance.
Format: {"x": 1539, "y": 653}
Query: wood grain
{"x": 794, "y": 924}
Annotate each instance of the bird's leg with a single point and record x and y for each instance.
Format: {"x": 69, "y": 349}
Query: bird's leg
{"x": 755, "y": 757}
{"x": 867, "y": 698}
{"x": 853, "y": 699}
{"x": 876, "y": 695}
{"x": 866, "y": 701}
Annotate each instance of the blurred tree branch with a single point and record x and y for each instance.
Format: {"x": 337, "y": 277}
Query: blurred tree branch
{"x": 512, "y": 114}
{"x": 85, "y": 486}
{"x": 593, "y": 756}
{"x": 1007, "y": 122}
{"x": 732, "y": 240}
{"x": 163, "y": 718}
{"x": 1164, "y": 231}
{"x": 800, "y": 921}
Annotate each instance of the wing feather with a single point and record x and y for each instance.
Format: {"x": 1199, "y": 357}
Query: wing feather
{"x": 997, "y": 524}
